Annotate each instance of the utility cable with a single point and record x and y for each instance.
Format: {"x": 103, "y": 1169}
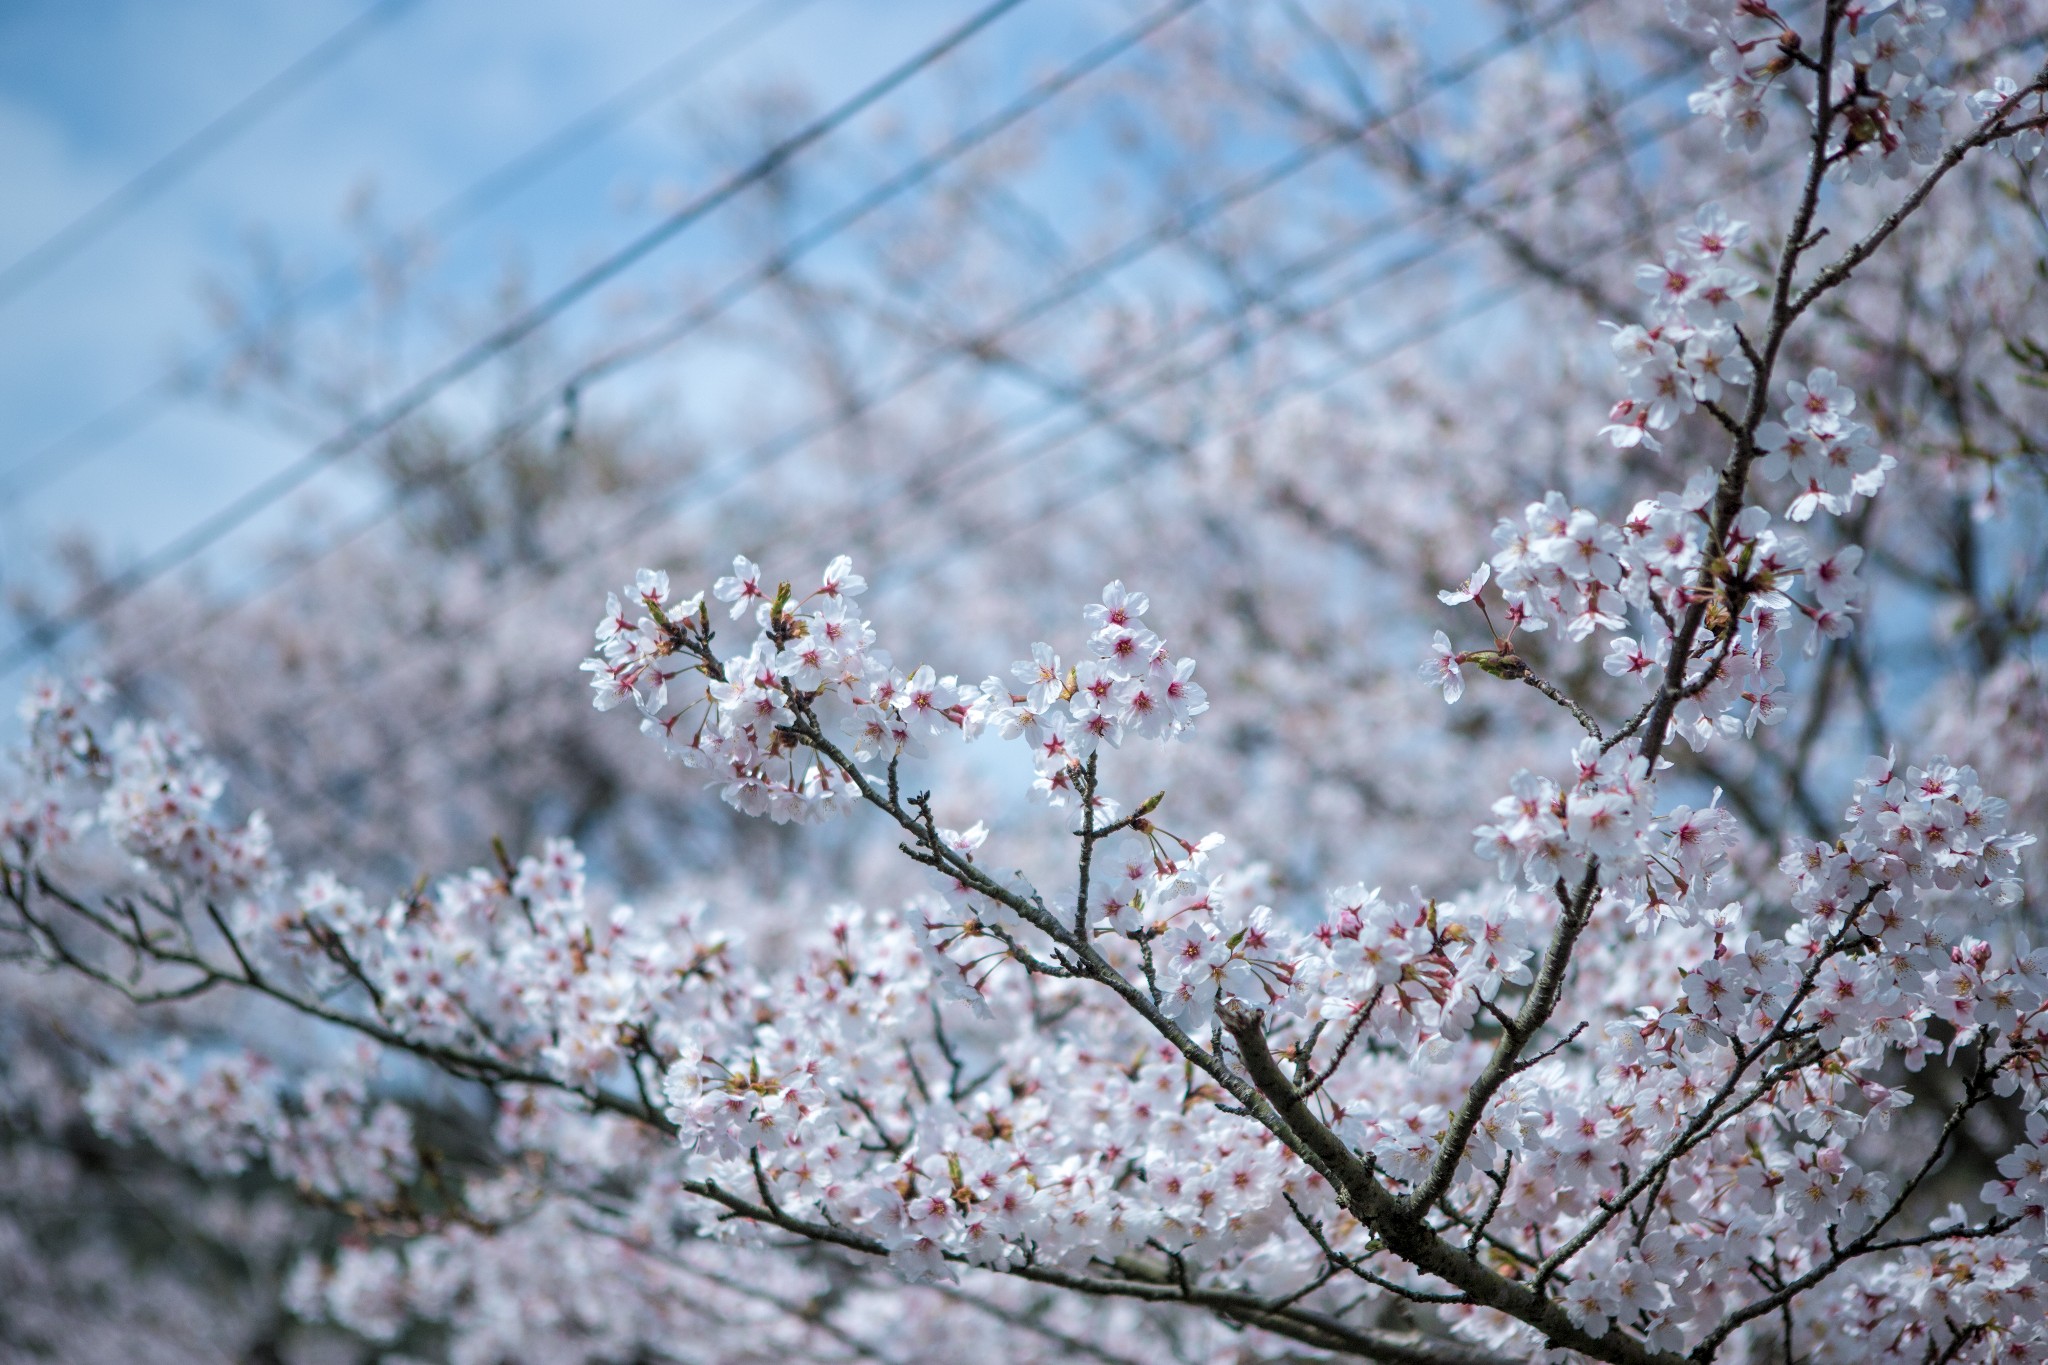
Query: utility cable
{"x": 1173, "y": 227}
{"x": 75, "y": 236}
{"x": 416, "y": 395}
{"x": 124, "y": 418}
{"x": 1169, "y": 373}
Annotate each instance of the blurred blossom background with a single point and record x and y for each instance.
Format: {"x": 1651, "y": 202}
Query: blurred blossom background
{"x": 349, "y": 353}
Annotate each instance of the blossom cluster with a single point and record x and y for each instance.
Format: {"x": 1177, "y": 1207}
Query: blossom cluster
{"x": 830, "y": 1077}
{"x": 732, "y": 722}
{"x": 1544, "y": 831}
{"x": 1830, "y": 458}
{"x": 1892, "y": 110}
{"x": 1691, "y": 350}
{"x": 152, "y": 785}
{"x": 222, "y": 1113}
{"x": 817, "y": 655}
{"x": 1563, "y": 565}
{"x": 511, "y": 959}
{"x": 1128, "y": 684}
{"x": 1883, "y": 961}
{"x": 1690, "y": 353}
{"x": 1056, "y": 1126}
{"x": 1417, "y": 969}
{"x": 2002, "y": 98}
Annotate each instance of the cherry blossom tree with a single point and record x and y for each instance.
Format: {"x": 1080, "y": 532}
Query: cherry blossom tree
{"x": 1702, "y": 1045}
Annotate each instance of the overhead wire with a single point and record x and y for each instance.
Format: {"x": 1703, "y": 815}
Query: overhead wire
{"x": 1152, "y": 448}
{"x": 974, "y": 538}
{"x": 44, "y": 259}
{"x": 983, "y": 443}
{"x": 777, "y": 263}
{"x": 1167, "y": 375}
{"x": 417, "y": 394}
{"x": 1094, "y": 485}
{"x": 771, "y": 267}
{"x": 974, "y": 447}
{"x": 1149, "y": 449}
{"x": 1098, "y": 411}
{"x": 1089, "y": 486}
{"x": 121, "y": 420}
{"x": 1178, "y": 225}
{"x": 1171, "y": 227}
{"x": 1155, "y": 448}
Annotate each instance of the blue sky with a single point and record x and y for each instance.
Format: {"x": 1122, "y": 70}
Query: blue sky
{"x": 419, "y": 109}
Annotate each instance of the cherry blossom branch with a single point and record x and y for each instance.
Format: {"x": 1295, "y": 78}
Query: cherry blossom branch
{"x": 1350, "y": 1036}
{"x": 814, "y": 1314}
{"x": 1479, "y": 1225}
{"x": 1135, "y": 1280}
{"x": 1578, "y": 712}
{"x": 1786, "y": 308}
{"x": 811, "y": 1315}
{"x": 1513, "y": 666}
{"x": 1401, "y": 1227}
{"x": 1281, "y": 1317}
{"x": 1089, "y": 838}
{"x": 932, "y": 851}
{"x": 1993, "y": 129}
{"x": 1272, "y": 1100}
{"x": 1734, "y": 480}
{"x": 1356, "y": 1268}
{"x": 27, "y": 883}
{"x": 1713, "y": 1115}
{"x": 1977, "y": 1091}
{"x": 1516, "y": 1035}
{"x": 1027, "y": 1322}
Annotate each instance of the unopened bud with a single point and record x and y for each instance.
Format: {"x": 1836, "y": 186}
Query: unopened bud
{"x": 1495, "y": 662}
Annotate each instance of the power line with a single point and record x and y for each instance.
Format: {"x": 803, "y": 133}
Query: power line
{"x": 114, "y": 424}
{"x": 1092, "y": 273}
{"x": 1166, "y": 376}
{"x": 923, "y": 169}
{"x": 1152, "y": 448}
{"x": 780, "y": 261}
{"x": 1094, "y": 485}
{"x": 953, "y": 477}
{"x": 1150, "y": 451}
{"x": 1168, "y": 230}
{"x": 181, "y": 160}
{"x": 686, "y": 66}
{"x": 195, "y": 540}
{"x": 1155, "y": 448}
{"x": 1178, "y": 225}
{"x": 1171, "y": 228}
